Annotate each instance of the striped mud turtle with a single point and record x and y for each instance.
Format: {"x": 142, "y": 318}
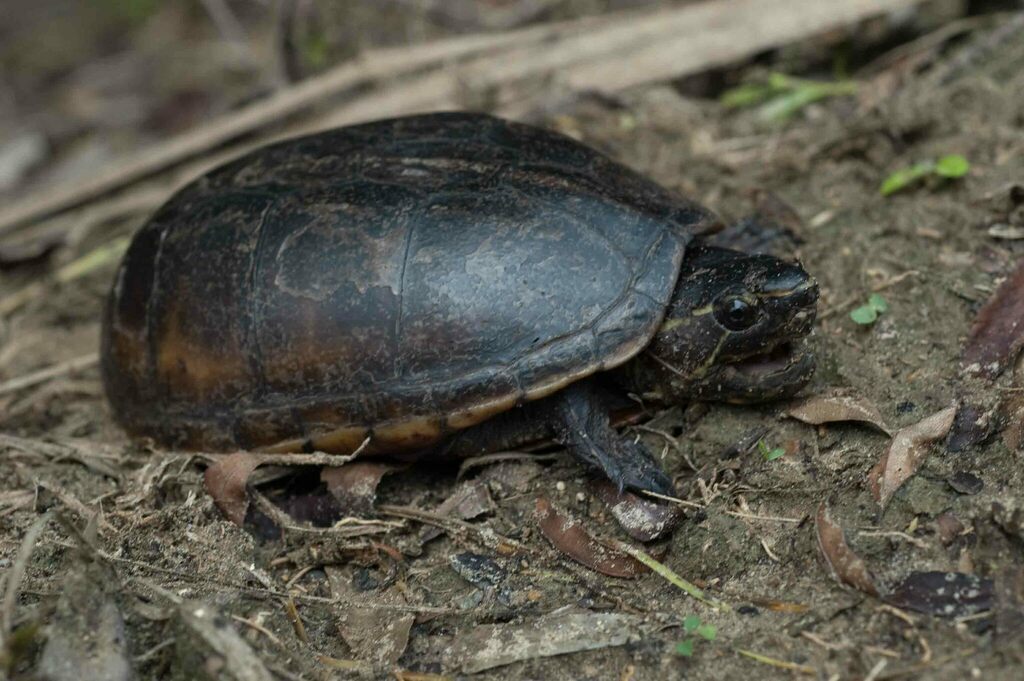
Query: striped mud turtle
{"x": 443, "y": 284}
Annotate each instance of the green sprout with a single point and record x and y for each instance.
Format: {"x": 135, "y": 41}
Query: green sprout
{"x": 868, "y": 313}
{"x": 948, "y": 167}
{"x": 781, "y": 96}
{"x": 692, "y": 625}
{"x": 768, "y": 453}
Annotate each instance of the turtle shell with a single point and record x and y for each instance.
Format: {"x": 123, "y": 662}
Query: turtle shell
{"x": 396, "y": 280}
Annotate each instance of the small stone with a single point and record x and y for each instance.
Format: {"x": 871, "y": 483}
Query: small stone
{"x": 560, "y": 486}
{"x": 581, "y": 497}
{"x": 949, "y": 527}
{"x": 966, "y": 483}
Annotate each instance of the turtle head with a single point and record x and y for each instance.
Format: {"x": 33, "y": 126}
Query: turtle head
{"x": 734, "y": 329}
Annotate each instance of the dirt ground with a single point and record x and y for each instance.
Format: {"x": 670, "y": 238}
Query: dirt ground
{"x": 133, "y": 534}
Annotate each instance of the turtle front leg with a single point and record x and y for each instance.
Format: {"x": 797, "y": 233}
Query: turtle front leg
{"x": 581, "y": 424}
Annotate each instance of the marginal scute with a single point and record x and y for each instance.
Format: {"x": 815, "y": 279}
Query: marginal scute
{"x": 405, "y": 278}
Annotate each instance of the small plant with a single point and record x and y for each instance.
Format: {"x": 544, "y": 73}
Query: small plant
{"x": 868, "y": 312}
{"x": 769, "y": 454}
{"x": 948, "y": 167}
{"x": 781, "y": 96}
{"x": 692, "y": 625}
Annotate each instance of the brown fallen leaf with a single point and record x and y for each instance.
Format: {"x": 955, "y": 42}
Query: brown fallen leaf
{"x": 468, "y": 501}
{"x": 838, "y": 406}
{"x": 845, "y": 565}
{"x": 643, "y": 519}
{"x": 568, "y": 536}
{"x": 354, "y": 485}
{"x": 225, "y": 482}
{"x": 906, "y": 453}
{"x": 998, "y": 331}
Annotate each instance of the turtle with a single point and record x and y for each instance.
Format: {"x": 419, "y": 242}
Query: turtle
{"x": 439, "y": 285}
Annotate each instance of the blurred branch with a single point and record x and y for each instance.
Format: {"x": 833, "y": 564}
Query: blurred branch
{"x": 508, "y": 72}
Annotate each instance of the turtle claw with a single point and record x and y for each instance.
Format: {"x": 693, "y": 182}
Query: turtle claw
{"x": 583, "y": 427}
{"x": 638, "y": 471}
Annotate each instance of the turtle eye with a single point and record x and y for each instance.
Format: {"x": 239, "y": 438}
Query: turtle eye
{"x": 735, "y": 313}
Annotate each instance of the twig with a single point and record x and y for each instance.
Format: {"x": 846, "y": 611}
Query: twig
{"x": 42, "y": 375}
{"x": 781, "y": 664}
{"x": 913, "y": 670}
{"x": 374, "y": 65}
{"x": 293, "y": 616}
{"x": 876, "y": 670}
{"x": 670, "y": 576}
{"x": 675, "y": 500}
{"x": 91, "y": 261}
{"x": 767, "y": 518}
{"x": 152, "y": 652}
{"x": 894, "y": 533}
{"x": 16, "y": 574}
{"x": 498, "y": 457}
{"x": 604, "y": 54}
{"x": 286, "y": 459}
{"x": 260, "y": 628}
{"x": 76, "y": 506}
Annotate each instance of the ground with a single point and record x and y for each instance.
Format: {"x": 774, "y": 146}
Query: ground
{"x": 934, "y": 251}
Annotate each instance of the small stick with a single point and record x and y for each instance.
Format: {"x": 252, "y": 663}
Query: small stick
{"x": 17, "y": 573}
{"x": 669, "y": 575}
{"x": 296, "y": 620}
{"x": 781, "y": 664}
{"x": 42, "y": 375}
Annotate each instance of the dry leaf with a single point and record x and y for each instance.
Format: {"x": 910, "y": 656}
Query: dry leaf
{"x": 972, "y": 426}
{"x": 846, "y": 566}
{"x": 225, "y": 482}
{"x": 468, "y": 501}
{"x": 354, "y": 485}
{"x": 906, "y": 453}
{"x": 494, "y": 645}
{"x": 998, "y": 331}
{"x": 207, "y": 634}
{"x": 837, "y": 406}
{"x": 568, "y": 536}
{"x": 378, "y": 636}
{"x": 944, "y": 594}
{"x": 642, "y": 519}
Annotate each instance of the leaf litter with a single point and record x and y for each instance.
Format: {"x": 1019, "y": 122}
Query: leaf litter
{"x": 909, "y": 448}
{"x": 844, "y": 564}
{"x": 997, "y": 335}
{"x": 569, "y": 536}
{"x": 837, "y": 406}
